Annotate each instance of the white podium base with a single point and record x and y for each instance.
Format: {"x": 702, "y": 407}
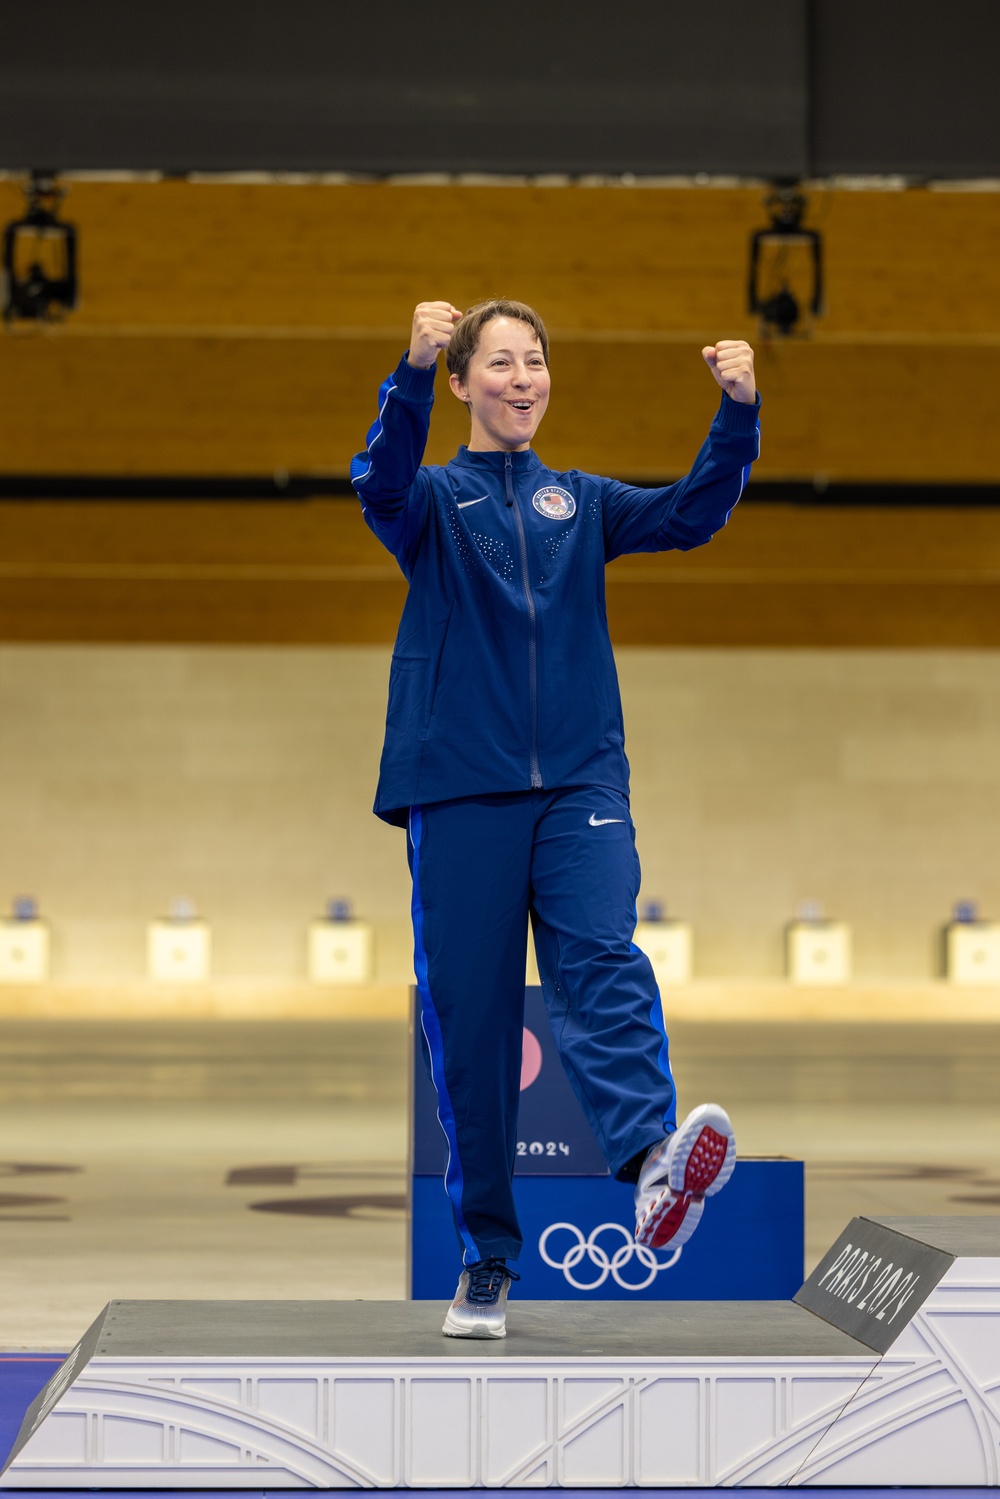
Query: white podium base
{"x": 330, "y": 1395}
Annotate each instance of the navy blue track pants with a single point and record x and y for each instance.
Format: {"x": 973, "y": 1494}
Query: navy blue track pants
{"x": 480, "y": 867}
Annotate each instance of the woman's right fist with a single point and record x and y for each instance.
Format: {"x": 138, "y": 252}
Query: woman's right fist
{"x": 432, "y": 327}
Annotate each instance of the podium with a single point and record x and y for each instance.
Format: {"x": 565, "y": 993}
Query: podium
{"x": 884, "y": 1369}
{"x": 578, "y": 1223}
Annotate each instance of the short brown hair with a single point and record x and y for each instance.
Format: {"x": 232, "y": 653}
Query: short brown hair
{"x": 465, "y": 338}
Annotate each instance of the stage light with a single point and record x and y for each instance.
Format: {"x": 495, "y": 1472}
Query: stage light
{"x": 786, "y": 265}
{"x": 39, "y": 256}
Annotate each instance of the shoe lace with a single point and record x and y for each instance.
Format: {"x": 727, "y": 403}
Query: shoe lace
{"x": 486, "y": 1278}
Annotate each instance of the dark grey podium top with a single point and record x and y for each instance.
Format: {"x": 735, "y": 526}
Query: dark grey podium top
{"x": 412, "y": 1329}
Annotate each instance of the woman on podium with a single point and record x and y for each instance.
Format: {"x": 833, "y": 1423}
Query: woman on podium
{"x": 504, "y": 758}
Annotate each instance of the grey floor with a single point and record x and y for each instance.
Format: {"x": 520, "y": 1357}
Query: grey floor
{"x": 267, "y": 1161}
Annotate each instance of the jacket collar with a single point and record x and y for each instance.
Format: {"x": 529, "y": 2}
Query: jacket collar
{"x": 522, "y": 463}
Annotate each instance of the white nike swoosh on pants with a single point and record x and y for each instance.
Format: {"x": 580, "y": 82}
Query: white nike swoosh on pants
{"x": 598, "y": 822}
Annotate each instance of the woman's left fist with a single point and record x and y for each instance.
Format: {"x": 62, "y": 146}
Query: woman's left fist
{"x": 731, "y": 362}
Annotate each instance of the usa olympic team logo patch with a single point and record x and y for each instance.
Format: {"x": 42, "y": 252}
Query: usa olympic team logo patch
{"x": 556, "y": 503}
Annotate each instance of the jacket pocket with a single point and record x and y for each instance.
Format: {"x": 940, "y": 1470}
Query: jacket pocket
{"x": 434, "y": 679}
{"x": 407, "y": 693}
{"x": 413, "y": 680}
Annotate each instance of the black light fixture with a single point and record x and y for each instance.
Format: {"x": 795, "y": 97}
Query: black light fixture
{"x": 39, "y": 256}
{"x": 772, "y": 256}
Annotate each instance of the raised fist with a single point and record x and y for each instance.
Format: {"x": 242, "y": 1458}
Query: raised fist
{"x": 731, "y": 362}
{"x": 432, "y": 326}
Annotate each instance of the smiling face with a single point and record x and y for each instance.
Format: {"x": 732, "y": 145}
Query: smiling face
{"x": 506, "y": 387}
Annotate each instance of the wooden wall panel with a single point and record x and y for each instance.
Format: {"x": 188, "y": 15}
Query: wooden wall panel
{"x": 253, "y": 406}
{"x": 310, "y": 255}
{"x": 311, "y": 573}
{"x": 240, "y": 328}
{"x": 243, "y": 328}
{"x": 220, "y": 255}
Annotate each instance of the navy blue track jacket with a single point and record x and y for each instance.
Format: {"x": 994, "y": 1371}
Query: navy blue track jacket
{"x": 502, "y": 676}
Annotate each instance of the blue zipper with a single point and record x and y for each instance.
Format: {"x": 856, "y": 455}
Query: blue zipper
{"x": 508, "y": 475}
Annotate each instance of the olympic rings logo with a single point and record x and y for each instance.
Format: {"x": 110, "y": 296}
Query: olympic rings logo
{"x": 607, "y": 1264}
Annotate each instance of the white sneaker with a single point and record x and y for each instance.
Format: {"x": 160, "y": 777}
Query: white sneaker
{"x": 677, "y": 1175}
{"x": 479, "y": 1309}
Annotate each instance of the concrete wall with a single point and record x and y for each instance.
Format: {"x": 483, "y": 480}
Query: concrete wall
{"x": 867, "y": 780}
{"x": 243, "y": 777}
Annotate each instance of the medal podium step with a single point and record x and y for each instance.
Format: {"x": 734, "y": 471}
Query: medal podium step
{"x": 885, "y": 1369}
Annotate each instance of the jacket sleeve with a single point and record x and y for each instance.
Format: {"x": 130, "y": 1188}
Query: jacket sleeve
{"x": 387, "y": 476}
{"x": 688, "y": 513}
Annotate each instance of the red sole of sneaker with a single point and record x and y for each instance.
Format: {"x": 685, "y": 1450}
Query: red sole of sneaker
{"x": 658, "y": 1231}
{"x": 707, "y": 1158}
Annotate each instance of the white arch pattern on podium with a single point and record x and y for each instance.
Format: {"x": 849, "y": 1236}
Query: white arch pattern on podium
{"x": 925, "y": 1412}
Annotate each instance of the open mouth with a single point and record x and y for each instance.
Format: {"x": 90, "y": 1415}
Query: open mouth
{"x": 521, "y": 405}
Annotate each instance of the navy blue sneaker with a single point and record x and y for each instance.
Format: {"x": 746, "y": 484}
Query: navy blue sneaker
{"x": 479, "y": 1309}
